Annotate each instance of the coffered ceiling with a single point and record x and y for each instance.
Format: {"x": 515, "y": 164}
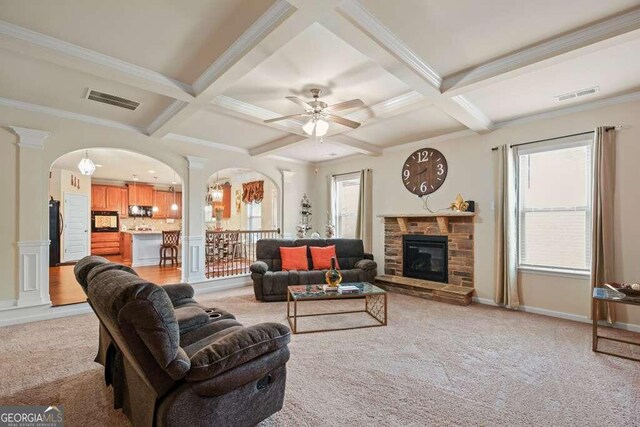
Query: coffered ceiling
{"x": 209, "y": 72}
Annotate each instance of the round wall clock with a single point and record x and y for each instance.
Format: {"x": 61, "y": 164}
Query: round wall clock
{"x": 424, "y": 171}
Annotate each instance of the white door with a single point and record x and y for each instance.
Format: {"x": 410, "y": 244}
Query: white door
{"x": 75, "y": 236}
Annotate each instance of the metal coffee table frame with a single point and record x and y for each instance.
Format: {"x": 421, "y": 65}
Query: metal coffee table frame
{"x": 608, "y": 295}
{"x": 375, "y": 305}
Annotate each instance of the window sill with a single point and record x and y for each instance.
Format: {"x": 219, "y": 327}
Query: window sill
{"x": 554, "y": 272}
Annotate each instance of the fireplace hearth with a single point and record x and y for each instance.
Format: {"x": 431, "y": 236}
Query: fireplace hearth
{"x": 425, "y": 257}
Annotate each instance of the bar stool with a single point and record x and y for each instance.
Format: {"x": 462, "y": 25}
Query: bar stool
{"x": 170, "y": 240}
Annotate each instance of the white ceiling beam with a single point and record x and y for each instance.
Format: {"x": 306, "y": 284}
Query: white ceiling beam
{"x": 389, "y": 108}
{"x": 590, "y": 38}
{"x": 363, "y": 31}
{"x": 355, "y": 144}
{"x": 205, "y": 142}
{"x": 50, "y": 49}
{"x": 275, "y": 28}
{"x": 277, "y": 145}
{"x": 35, "y": 108}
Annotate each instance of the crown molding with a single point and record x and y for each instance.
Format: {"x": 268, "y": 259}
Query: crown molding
{"x": 486, "y": 123}
{"x": 526, "y": 58}
{"x": 277, "y": 13}
{"x": 205, "y": 142}
{"x": 30, "y": 138}
{"x": 34, "y": 108}
{"x": 613, "y": 100}
{"x": 167, "y": 114}
{"x": 354, "y": 11}
{"x": 259, "y": 114}
{"x": 356, "y": 145}
{"x": 84, "y": 54}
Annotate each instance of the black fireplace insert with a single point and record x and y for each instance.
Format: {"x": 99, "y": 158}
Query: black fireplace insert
{"x": 425, "y": 257}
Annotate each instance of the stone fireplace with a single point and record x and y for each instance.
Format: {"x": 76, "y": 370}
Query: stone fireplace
{"x": 456, "y": 229}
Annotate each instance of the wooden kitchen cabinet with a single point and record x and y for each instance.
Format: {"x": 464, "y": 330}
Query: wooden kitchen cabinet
{"x": 105, "y": 243}
{"x": 105, "y": 198}
{"x": 140, "y": 194}
{"x": 125, "y": 247}
{"x": 226, "y": 201}
{"x": 177, "y": 214}
{"x": 124, "y": 203}
{"x": 163, "y": 204}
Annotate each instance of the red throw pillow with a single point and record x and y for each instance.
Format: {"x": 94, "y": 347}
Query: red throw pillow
{"x": 321, "y": 257}
{"x": 294, "y": 258}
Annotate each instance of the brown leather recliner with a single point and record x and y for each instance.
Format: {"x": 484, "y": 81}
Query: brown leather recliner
{"x": 172, "y": 361}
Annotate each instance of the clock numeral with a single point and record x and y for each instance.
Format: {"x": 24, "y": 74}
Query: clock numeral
{"x": 440, "y": 169}
{"x": 406, "y": 173}
{"x": 423, "y": 156}
{"x": 423, "y": 187}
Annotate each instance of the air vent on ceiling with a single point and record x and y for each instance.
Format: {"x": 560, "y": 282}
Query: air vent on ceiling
{"x": 106, "y": 98}
{"x": 577, "y": 94}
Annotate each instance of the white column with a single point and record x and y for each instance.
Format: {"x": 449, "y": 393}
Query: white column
{"x": 193, "y": 268}
{"x": 33, "y": 225}
{"x": 287, "y": 177}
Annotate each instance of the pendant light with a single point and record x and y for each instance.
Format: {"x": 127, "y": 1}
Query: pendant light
{"x": 216, "y": 195}
{"x": 154, "y": 208}
{"x": 174, "y": 206}
{"x": 135, "y": 209}
{"x": 86, "y": 166}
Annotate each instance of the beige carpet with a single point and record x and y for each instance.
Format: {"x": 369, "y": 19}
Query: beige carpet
{"x": 435, "y": 364}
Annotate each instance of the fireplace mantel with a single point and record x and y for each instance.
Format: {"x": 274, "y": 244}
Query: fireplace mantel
{"x": 441, "y": 217}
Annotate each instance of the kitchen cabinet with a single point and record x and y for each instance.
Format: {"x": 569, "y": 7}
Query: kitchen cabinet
{"x": 226, "y": 201}
{"x": 177, "y": 214}
{"x": 124, "y": 203}
{"x": 162, "y": 203}
{"x": 107, "y": 243}
{"x": 105, "y": 198}
{"x": 140, "y": 194}
{"x": 125, "y": 247}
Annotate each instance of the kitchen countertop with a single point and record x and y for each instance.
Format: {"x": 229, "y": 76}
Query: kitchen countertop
{"x": 143, "y": 232}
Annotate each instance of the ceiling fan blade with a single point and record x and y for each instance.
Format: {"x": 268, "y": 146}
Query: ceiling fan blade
{"x": 300, "y": 102}
{"x": 342, "y": 121}
{"x": 293, "y": 116}
{"x": 346, "y": 105}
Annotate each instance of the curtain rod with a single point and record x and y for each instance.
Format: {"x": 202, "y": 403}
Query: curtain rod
{"x": 557, "y": 137}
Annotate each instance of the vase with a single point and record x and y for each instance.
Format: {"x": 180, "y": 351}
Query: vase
{"x": 333, "y": 276}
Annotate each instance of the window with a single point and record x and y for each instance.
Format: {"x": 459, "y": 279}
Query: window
{"x": 254, "y": 216}
{"x": 274, "y": 209}
{"x": 554, "y": 206}
{"x": 346, "y": 195}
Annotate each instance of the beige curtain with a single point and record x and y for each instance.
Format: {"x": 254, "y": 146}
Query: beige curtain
{"x": 506, "y": 287}
{"x": 365, "y": 215}
{"x": 604, "y": 165}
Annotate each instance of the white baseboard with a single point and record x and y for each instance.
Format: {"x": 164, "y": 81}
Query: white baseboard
{"x": 213, "y": 285}
{"x": 562, "y": 315}
{"x": 8, "y": 303}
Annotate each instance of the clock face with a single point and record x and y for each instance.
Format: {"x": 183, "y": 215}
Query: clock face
{"x": 424, "y": 171}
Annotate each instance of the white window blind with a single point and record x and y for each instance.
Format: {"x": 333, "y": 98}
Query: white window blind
{"x": 346, "y": 194}
{"x": 554, "y": 205}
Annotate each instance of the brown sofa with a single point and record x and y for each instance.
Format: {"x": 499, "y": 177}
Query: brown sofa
{"x": 172, "y": 361}
{"x": 270, "y": 282}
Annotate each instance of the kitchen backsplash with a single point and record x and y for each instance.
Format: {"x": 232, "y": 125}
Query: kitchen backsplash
{"x": 156, "y": 224}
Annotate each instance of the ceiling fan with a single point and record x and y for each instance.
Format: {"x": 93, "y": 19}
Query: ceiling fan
{"x": 320, "y": 114}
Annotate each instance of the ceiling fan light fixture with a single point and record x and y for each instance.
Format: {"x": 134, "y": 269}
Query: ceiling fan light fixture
{"x": 308, "y": 127}
{"x": 322, "y": 127}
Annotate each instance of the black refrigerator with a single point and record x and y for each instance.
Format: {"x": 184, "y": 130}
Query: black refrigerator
{"x": 56, "y": 226}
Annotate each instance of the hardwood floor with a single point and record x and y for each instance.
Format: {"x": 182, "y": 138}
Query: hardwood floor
{"x": 64, "y": 289}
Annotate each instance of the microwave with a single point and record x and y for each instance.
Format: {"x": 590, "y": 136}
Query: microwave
{"x": 104, "y": 221}
{"x": 143, "y": 211}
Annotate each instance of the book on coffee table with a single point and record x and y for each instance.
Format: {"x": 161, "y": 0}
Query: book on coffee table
{"x": 348, "y": 289}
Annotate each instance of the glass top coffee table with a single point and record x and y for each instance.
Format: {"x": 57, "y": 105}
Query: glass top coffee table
{"x": 375, "y": 304}
{"x": 609, "y": 295}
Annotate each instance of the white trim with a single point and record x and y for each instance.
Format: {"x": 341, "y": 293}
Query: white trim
{"x": 525, "y": 58}
{"x": 221, "y": 284}
{"x": 357, "y": 13}
{"x": 89, "y": 55}
{"x": 355, "y": 144}
{"x": 618, "y": 99}
{"x": 193, "y": 266}
{"x": 387, "y": 108}
{"x": 559, "y": 314}
{"x": 30, "y": 138}
{"x": 557, "y": 272}
{"x": 277, "y": 145}
{"x": 167, "y": 114}
{"x": 194, "y": 162}
{"x": 276, "y": 14}
{"x": 34, "y": 108}
{"x": 255, "y": 112}
{"x": 8, "y": 303}
{"x": 470, "y": 108}
{"x": 33, "y": 273}
{"x": 205, "y": 142}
